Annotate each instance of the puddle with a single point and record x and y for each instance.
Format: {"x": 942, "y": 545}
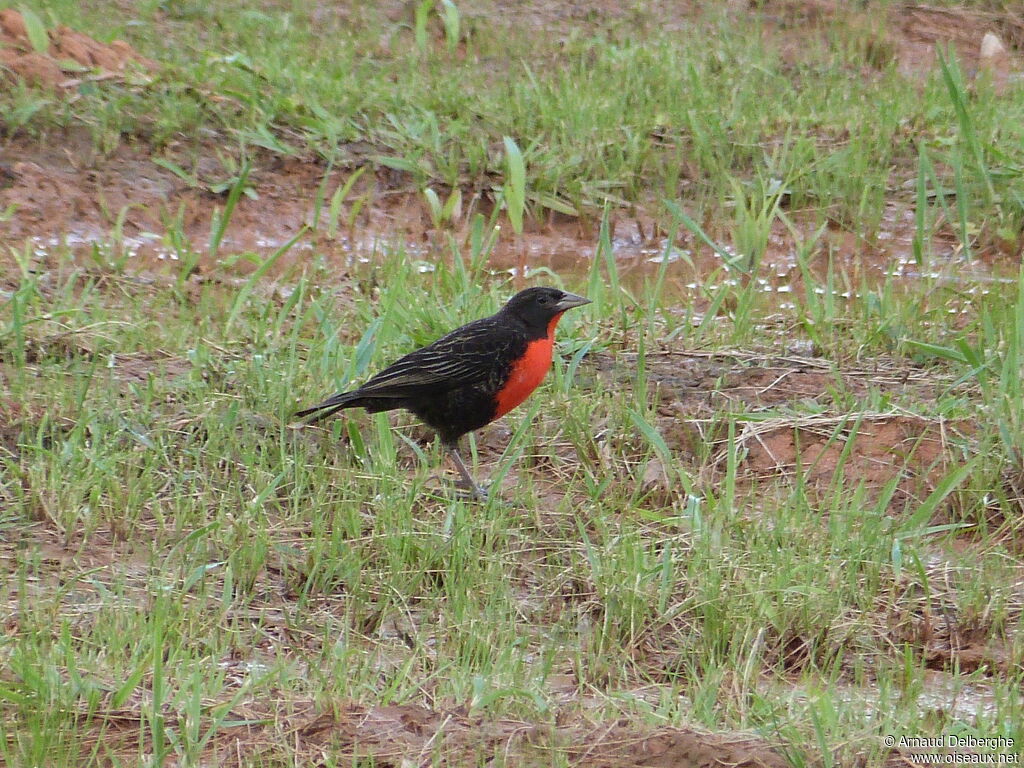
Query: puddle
{"x": 691, "y": 269}
{"x": 151, "y": 221}
{"x": 941, "y": 692}
{"x": 66, "y": 197}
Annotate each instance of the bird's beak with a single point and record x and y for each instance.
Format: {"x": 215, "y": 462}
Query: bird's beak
{"x": 570, "y": 300}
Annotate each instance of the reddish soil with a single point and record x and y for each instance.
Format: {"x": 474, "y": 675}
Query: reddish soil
{"x": 462, "y": 739}
{"x": 921, "y": 29}
{"x": 778, "y": 393}
{"x": 393, "y": 736}
{"x": 881, "y": 447}
{"x": 907, "y": 37}
{"x": 70, "y": 57}
{"x": 63, "y": 190}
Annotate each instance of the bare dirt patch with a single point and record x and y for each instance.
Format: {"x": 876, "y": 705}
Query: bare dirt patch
{"x": 921, "y": 28}
{"x": 401, "y": 735}
{"x": 908, "y": 35}
{"x": 11, "y": 415}
{"x": 948, "y": 639}
{"x": 62, "y": 192}
{"x": 800, "y": 415}
{"x": 700, "y": 384}
{"x": 141, "y": 215}
{"x": 869, "y": 449}
{"x": 70, "y": 57}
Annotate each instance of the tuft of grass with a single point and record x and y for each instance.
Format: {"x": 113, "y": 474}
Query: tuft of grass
{"x": 707, "y": 522}
{"x": 610, "y": 119}
{"x": 624, "y": 560}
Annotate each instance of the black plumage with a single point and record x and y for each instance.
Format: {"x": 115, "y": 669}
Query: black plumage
{"x": 462, "y": 381}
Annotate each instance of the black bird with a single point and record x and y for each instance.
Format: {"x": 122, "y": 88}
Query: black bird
{"x": 470, "y": 377}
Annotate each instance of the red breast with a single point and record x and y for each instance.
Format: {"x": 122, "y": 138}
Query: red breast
{"x": 528, "y": 371}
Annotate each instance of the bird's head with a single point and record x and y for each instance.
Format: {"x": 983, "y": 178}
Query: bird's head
{"x": 537, "y": 307}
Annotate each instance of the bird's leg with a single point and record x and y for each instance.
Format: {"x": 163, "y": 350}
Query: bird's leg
{"x": 467, "y": 478}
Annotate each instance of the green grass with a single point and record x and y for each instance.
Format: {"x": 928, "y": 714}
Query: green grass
{"x": 205, "y": 537}
{"x": 678, "y": 122}
{"x": 185, "y": 568}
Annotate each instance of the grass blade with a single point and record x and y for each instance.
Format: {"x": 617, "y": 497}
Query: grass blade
{"x": 243, "y": 295}
{"x": 514, "y": 190}
{"x": 37, "y": 35}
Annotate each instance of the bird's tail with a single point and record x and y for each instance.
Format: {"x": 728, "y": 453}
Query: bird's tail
{"x": 329, "y": 407}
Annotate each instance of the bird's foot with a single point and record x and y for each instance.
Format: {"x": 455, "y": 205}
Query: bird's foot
{"x": 474, "y": 491}
{"x": 459, "y": 489}
{"x": 467, "y": 482}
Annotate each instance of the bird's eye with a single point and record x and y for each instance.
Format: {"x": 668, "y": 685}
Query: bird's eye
{"x": 544, "y": 299}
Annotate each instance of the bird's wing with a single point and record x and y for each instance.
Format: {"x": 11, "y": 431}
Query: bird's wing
{"x": 467, "y": 355}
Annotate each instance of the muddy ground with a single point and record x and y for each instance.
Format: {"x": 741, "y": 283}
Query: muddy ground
{"x": 64, "y": 192}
